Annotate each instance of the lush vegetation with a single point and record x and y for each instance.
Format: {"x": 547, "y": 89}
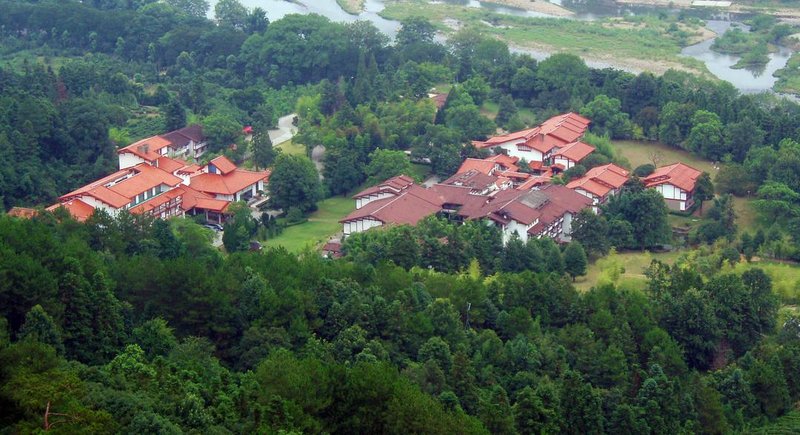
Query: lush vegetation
{"x": 126, "y": 325}
{"x": 634, "y": 39}
{"x": 132, "y": 325}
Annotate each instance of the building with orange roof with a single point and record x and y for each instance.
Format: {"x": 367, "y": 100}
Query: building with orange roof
{"x": 538, "y": 144}
{"x": 676, "y": 183}
{"x": 187, "y": 142}
{"x": 153, "y": 181}
{"x": 544, "y": 211}
{"x": 23, "y": 212}
{"x": 221, "y": 179}
{"x": 76, "y": 208}
{"x": 389, "y": 188}
{"x": 600, "y": 183}
{"x": 571, "y": 154}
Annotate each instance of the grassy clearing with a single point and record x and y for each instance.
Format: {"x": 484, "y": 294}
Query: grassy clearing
{"x": 789, "y": 76}
{"x": 291, "y": 148}
{"x": 641, "y": 152}
{"x": 352, "y": 7}
{"x": 785, "y": 278}
{"x": 614, "y": 40}
{"x": 321, "y": 225}
{"x": 626, "y": 269}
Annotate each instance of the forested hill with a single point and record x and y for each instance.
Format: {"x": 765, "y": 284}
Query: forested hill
{"x": 129, "y": 325}
{"x": 138, "y": 327}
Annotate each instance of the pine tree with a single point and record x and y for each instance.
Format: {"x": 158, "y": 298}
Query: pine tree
{"x": 39, "y": 326}
{"x": 77, "y": 323}
{"x": 575, "y": 261}
{"x": 263, "y": 151}
{"x": 174, "y": 115}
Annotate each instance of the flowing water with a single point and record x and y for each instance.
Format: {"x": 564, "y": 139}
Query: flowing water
{"x": 745, "y": 80}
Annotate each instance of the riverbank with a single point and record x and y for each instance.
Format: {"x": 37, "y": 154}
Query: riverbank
{"x": 645, "y": 43}
{"x": 540, "y": 6}
{"x": 352, "y": 7}
{"x": 789, "y": 77}
{"x": 775, "y": 10}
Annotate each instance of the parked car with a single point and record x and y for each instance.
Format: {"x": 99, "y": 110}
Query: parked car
{"x": 215, "y": 227}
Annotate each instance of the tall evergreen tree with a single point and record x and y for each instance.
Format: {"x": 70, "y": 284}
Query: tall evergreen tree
{"x": 39, "y": 326}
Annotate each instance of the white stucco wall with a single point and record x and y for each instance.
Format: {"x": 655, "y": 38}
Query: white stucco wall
{"x": 128, "y": 160}
{"x": 361, "y": 202}
{"x": 529, "y": 156}
{"x": 360, "y": 225}
{"x": 516, "y": 227}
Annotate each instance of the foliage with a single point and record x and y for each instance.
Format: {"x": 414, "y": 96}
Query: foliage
{"x": 294, "y": 182}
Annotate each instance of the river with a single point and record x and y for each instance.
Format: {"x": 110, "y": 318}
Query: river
{"x": 746, "y": 81}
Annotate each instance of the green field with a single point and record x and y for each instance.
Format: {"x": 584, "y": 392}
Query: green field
{"x": 641, "y": 152}
{"x": 291, "y": 148}
{"x": 655, "y": 41}
{"x": 785, "y": 278}
{"x": 633, "y": 263}
{"x": 321, "y": 224}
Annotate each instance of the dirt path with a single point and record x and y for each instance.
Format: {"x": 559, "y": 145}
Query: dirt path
{"x": 285, "y": 131}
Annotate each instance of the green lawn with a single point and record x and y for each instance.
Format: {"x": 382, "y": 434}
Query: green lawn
{"x": 291, "y": 148}
{"x": 641, "y": 152}
{"x": 632, "y": 265}
{"x": 785, "y": 278}
{"x": 321, "y": 224}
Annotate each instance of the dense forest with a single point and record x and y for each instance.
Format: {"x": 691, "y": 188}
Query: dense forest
{"x": 134, "y": 326}
{"x": 129, "y": 325}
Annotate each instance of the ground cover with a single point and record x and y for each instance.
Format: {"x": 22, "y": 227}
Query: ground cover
{"x": 291, "y": 148}
{"x": 352, "y": 7}
{"x": 626, "y": 269}
{"x": 789, "y": 76}
{"x": 645, "y": 43}
{"x": 321, "y": 225}
{"x": 642, "y": 152}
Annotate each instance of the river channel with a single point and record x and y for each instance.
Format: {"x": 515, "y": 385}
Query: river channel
{"x": 747, "y": 81}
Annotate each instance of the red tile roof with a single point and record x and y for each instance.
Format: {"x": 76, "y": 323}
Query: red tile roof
{"x": 229, "y": 183}
{"x": 409, "y": 208}
{"x": 156, "y": 201}
{"x": 678, "y": 174}
{"x": 575, "y": 151}
{"x": 223, "y": 164}
{"x": 217, "y": 205}
{"x": 121, "y": 187}
{"x": 77, "y": 208}
{"x": 521, "y": 135}
{"x": 169, "y": 165}
{"x": 394, "y": 184}
{"x": 473, "y": 178}
{"x": 481, "y": 165}
{"x": 508, "y": 162}
{"x": 601, "y": 180}
{"x": 23, "y": 212}
{"x": 189, "y": 169}
{"x": 562, "y": 201}
{"x": 538, "y": 180}
{"x": 149, "y": 148}
{"x": 145, "y": 178}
